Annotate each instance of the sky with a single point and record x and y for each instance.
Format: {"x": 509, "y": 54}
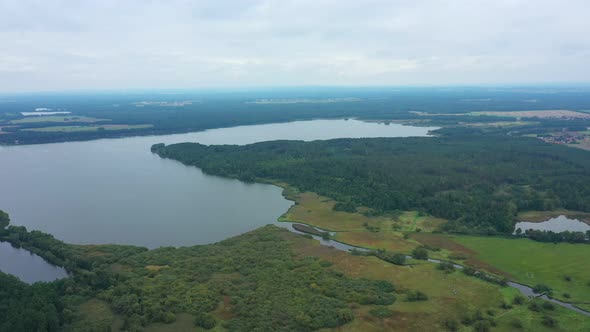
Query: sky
{"x": 108, "y": 44}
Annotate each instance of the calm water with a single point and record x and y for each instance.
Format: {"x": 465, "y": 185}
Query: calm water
{"x": 557, "y": 225}
{"x": 117, "y": 191}
{"x": 28, "y": 267}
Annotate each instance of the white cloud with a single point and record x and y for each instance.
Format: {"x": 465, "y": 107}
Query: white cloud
{"x": 60, "y": 44}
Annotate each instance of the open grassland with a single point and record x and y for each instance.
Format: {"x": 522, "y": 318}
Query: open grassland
{"x": 532, "y": 263}
{"x": 88, "y": 128}
{"x": 57, "y": 118}
{"x": 316, "y": 210}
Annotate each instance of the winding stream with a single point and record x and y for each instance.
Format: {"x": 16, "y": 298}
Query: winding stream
{"x": 524, "y": 289}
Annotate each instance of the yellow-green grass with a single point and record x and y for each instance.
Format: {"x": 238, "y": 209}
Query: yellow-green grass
{"x": 538, "y": 216}
{"x": 532, "y": 263}
{"x": 57, "y": 118}
{"x": 411, "y": 221}
{"x": 318, "y": 211}
{"x": 88, "y": 128}
{"x": 376, "y": 232}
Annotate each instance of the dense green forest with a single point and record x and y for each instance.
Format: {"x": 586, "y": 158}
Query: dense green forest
{"x": 477, "y": 182}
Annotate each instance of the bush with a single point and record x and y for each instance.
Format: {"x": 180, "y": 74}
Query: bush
{"x": 416, "y": 296}
{"x": 516, "y": 323}
{"x": 381, "y": 312}
{"x": 505, "y": 306}
{"x": 567, "y": 278}
{"x": 446, "y": 266}
{"x": 519, "y": 300}
{"x": 457, "y": 257}
{"x": 548, "y": 306}
{"x": 469, "y": 271}
{"x": 399, "y": 259}
{"x": 420, "y": 253}
{"x": 345, "y": 315}
{"x": 549, "y": 321}
{"x": 541, "y": 288}
{"x": 451, "y": 325}
{"x": 567, "y": 295}
{"x": 482, "y": 326}
{"x": 205, "y": 321}
{"x": 325, "y": 264}
{"x": 535, "y": 306}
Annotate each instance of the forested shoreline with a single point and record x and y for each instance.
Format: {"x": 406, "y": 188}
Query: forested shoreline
{"x": 477, "y": 182}
{"x": 145, "y": 287}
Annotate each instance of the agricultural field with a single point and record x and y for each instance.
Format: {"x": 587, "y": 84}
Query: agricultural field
{"x": 57, "y": 119}
{"x": 66, "y": 129}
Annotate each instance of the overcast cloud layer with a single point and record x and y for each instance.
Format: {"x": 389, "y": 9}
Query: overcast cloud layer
{"x": 55, "y": 45}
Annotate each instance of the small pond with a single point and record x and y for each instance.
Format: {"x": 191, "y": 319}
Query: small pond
{"x": 27, "y": 266}
{"x": 557, "y": 225}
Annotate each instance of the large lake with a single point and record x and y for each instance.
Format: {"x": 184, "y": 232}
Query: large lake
{"x": 117, "y": 191}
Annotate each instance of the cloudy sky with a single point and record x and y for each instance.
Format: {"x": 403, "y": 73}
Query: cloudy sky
{"x": 59, "y": 45}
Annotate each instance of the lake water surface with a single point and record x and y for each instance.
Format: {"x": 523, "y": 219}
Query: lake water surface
{"x": 117, "y": 191}
{"x": 26, "y": 266}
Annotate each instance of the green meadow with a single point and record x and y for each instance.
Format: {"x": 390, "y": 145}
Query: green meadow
{"x": 563, "y": 267}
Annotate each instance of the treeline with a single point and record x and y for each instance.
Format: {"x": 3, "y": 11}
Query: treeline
{"x": 478, "y": 182}
{"x": 25, "y": 308}
{"x": 555, "y": 237}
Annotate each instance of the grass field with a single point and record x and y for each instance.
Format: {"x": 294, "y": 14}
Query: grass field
{"x": 380, "y": 232}
{"x": 70, "y": 129}
{"x": 531, "y": 263}
{"x": 57, "y": 118}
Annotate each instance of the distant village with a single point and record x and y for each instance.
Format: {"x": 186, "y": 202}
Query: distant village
{"x": 564, "y": 138}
